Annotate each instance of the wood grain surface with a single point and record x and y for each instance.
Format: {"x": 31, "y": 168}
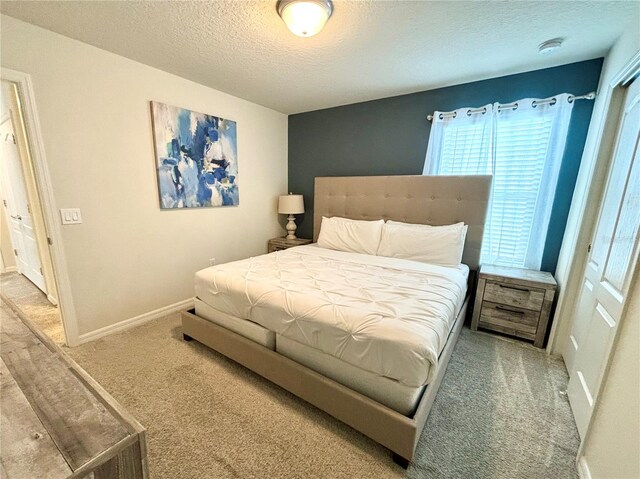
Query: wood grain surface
{"x": 27, "y": 448}
{"x": 513, "y": 295}
{"x": 56, "y": 420}
{"x": 509, "y": 316}
{"x": 522, "y": 276}
{"x": 514, "y": 301}
{"x": 278, "y": 244}
{"x": 78, "y": 423}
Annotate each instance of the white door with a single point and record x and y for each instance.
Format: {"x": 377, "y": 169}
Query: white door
{"x": 16, "y": 202}
{"x": 610, "y": 267}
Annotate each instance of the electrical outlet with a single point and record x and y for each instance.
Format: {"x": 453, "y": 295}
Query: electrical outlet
{"x": 212, "y": 261}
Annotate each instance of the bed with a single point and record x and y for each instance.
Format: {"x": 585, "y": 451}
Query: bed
{"x": 364, "y": 338}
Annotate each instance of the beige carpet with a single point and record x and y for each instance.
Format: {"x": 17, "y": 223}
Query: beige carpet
{"x": 498, "y": 414}
{"x": 23, "y": 294}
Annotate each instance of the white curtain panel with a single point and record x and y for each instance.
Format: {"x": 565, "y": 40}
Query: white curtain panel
{"x": 460, "y": 142}
{"x": 522, "y": 147}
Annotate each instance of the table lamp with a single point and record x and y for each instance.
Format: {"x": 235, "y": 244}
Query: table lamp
{"x": 291, "y": 205}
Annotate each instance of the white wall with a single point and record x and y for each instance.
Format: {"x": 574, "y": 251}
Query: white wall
{"x": 129, "y": 257}
{"x": 4, "y": 98}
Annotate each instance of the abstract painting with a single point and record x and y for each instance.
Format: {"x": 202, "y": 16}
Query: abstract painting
{"x": 196, "y": 158}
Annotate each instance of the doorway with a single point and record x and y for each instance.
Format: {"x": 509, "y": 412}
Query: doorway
{"x": 610, "y": 266}
{"x": 27, "y": 280}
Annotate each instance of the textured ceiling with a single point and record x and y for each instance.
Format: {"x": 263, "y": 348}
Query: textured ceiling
{"x": 368, "y": 49}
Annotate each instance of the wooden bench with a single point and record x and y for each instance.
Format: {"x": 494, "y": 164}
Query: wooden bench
{"x": 57, "y": 421}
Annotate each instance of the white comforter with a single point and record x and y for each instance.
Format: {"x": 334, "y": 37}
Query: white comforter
{"x": 384, "y": 315}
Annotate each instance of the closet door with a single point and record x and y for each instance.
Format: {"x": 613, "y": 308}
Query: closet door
{"x": 16, "y": 202}
{"x": 610, "y": 266}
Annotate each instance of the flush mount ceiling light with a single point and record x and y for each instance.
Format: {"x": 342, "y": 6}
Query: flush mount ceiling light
{"x": 305, "y": 18}
{"x": 549, "y": 46}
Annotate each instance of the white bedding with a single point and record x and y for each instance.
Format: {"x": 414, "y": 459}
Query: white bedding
{"x": 385, "y": 315}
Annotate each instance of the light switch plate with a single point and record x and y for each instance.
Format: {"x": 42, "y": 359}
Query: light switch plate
{"x": 70, "y": 216}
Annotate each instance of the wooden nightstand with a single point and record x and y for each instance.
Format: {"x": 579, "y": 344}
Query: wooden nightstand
{"x": 278, "y": 244}
{"x": 514, "y": 301}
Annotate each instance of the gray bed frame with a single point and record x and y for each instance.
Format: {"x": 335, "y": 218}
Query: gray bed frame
{"x": 434, "y": 200}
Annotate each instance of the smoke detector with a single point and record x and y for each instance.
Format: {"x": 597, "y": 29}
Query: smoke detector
{"x": 550, "y": 46}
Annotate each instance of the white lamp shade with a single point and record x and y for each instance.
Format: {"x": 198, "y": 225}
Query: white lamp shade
{"x": 290, "y": 204}
{"x": 305, "y": 18}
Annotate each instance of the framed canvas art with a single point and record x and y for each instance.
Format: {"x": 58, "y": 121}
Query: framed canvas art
{"x": 196, "y": 158}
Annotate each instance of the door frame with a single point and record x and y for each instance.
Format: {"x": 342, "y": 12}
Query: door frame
{"x": 44, "y": 186}
{"x": 589, "y": 204}
{"x": 615, "y": 97}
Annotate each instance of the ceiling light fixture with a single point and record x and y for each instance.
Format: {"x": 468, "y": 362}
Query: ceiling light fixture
{"x": 304, "y": 18}
{"x": 549, "y": 46}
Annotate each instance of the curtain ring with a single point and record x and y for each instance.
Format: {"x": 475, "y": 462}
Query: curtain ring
{"x": 468, "y": 112}
{"x": 515, "y": 107}
{"x": 484, "y": 110}
{"x": 441, "y": 116}
{"x": 455, "y": 113}
{"x": 553, "y": 102}
{"x": 534, "y": 104}
{"x": 570, "y": 99}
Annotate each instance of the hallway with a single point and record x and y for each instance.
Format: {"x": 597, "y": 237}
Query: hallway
{"x": 19, "y": 292}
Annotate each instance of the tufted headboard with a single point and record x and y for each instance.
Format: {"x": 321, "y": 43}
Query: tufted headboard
{"x": 430, "y": 200}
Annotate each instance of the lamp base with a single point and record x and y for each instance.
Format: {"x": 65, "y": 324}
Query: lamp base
{"x": 291, "y": 227}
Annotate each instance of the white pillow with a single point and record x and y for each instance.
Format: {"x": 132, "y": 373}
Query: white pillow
{"x": 350, "y": 235}
{"x": 442, "y": 245}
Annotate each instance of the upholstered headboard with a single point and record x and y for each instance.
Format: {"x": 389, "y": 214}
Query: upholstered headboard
{"x": 431, "y": 200}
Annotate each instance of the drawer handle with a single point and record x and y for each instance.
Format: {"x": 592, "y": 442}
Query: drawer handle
{"x": 502, "y": 308}
{"x": 515, "y": 287}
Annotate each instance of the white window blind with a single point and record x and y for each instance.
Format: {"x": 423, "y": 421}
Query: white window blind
{"x": 464, "y": 151}
{"x": 522, "y": 148}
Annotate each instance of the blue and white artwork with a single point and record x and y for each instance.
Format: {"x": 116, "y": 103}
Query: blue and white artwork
{"x": 196, "y": 158}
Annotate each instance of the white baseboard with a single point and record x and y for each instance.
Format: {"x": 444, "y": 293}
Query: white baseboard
{"x": 52, "y": 300}
{"x": 583, "y": 468}
{"x": 138, "y": 320}
{"x": 10, "y": 269}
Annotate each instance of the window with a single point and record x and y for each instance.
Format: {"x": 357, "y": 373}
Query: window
{"x": 521, "y": 145}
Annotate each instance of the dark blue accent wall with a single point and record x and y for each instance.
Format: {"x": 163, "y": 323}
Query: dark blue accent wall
{"x": 390, "y": 136}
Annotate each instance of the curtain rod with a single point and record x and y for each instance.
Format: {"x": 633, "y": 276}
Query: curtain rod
{"x": 512, "y": 106}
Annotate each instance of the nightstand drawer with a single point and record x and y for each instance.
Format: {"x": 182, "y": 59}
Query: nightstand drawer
{"x": 510, "y": 330}
{"x": 512, "y": 295}
{"x": 509, "y": 317}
